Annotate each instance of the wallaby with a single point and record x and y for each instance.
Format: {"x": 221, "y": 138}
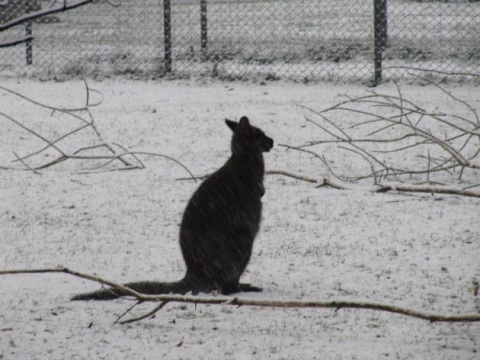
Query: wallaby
{"x": 219, "y": 224}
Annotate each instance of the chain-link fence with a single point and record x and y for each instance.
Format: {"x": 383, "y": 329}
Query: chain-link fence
{"x": 96, "y": 39}
{"x": 302, "y": 40}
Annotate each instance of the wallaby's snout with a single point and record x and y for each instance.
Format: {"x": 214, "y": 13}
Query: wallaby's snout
{"x": 267, "y": 144}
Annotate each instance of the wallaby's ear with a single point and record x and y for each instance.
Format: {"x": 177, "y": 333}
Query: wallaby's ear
{"x": 244, "y": 121}
{"x": 231, "y": 124}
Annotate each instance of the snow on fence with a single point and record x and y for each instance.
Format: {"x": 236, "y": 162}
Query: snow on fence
{"x": 303, "y": 40}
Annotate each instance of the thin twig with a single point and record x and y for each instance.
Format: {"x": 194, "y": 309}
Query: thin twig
{"x": 142, "y": 165}
{"x": 149, "y": 314}
{"x": 53, "y": 142}
{"x": 126, "y": 312}
{"x": 25, "y": 164}
{"x": 32, "y": 132}
{"x": 53, "y": 108}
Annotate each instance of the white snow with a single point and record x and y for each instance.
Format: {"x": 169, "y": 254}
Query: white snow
{"x": 413, "y": 250}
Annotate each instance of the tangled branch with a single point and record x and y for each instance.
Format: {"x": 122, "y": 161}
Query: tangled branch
{"x": 238, "y": 301}
{"x": 58, "y": 6}
{"x": 401, "y": 142}
{"x": 85, "y": 121}
{"x": 55, "y": 8}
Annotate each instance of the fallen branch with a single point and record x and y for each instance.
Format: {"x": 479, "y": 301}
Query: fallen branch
{"x": 295, "y": 176}
{"x": 238, "y": 301}
{"x": 401, "y": 142}
{"x": 128, "y": 159}
{"x": 379, "y": 188}
{"x": 337, "y": 183}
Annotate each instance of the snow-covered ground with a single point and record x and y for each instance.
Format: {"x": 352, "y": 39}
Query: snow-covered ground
{"x": 414, "y": 250}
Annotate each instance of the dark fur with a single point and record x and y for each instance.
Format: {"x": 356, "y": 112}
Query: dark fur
{"x": 219, "y": 224}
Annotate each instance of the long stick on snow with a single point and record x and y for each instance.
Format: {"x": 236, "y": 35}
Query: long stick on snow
{"x": 239, "y": 301}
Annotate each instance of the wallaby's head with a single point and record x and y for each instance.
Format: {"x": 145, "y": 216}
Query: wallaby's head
{"x": 248, "y": 138}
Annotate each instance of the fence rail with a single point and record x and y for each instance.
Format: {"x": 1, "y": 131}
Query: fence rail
{"x": 304, "y": 40}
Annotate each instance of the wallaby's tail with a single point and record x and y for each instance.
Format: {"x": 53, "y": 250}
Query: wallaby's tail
{"x": 144, "y": 287}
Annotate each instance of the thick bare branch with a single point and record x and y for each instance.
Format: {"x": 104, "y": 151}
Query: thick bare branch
{"x": 77, "y": 274}
{"x": 237, "y": 301}
{"x": 341, "y": 184}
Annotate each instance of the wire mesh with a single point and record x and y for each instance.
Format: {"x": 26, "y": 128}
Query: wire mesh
{"x": 303, "y": 40}
{"x": 440, "y": 35}
{"x": 299, "y": 39}
{"x": 96, "y": 39}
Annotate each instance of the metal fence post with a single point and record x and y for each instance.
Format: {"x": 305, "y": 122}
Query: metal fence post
{"x": 167, "y": 34}
{"x": 28, "y": 33}
{"x": 380, "y": 36}
{"x": 203, "y": 30}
